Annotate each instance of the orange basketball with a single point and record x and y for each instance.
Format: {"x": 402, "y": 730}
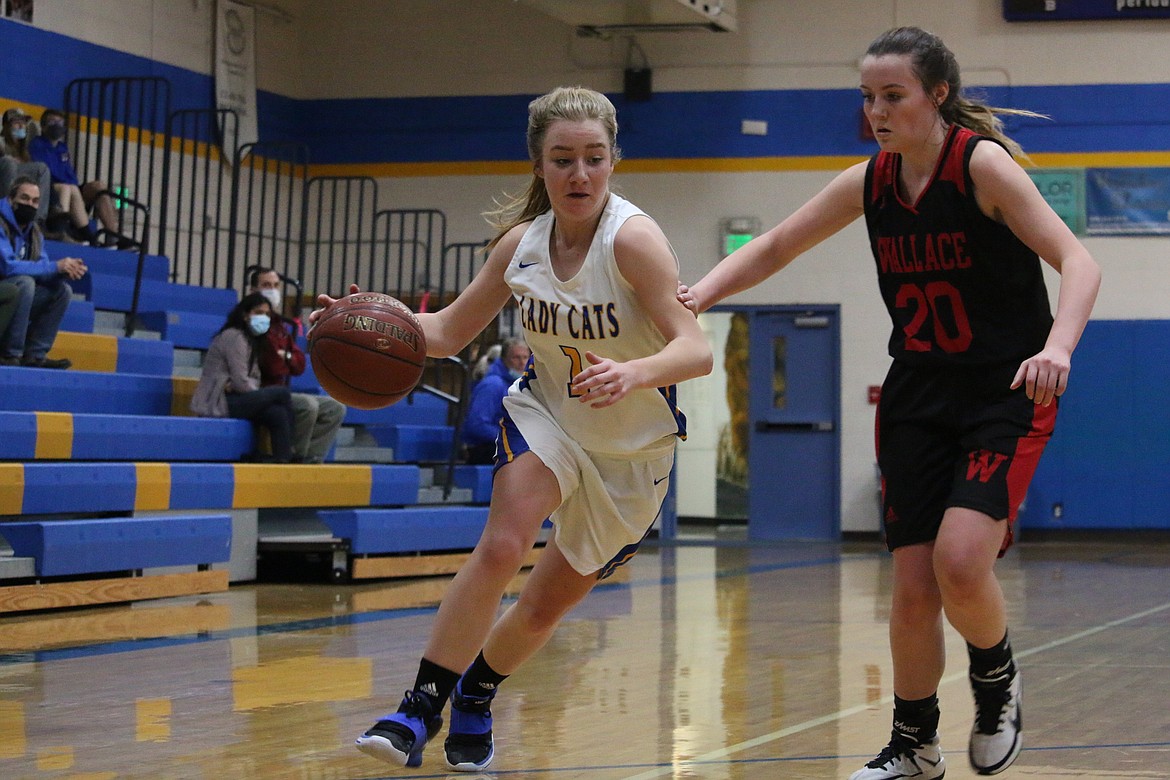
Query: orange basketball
{"x": 367, "y": 350}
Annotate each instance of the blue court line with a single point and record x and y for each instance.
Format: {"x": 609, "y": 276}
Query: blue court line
{"x": 357, "y": 618}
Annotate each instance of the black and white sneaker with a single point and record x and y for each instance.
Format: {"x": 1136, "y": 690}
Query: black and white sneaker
{"x": 469, "y": 746}
{"x": 995, "y": 737}
{"x": 399, "y": 738}
{"x": 904, "y": 758}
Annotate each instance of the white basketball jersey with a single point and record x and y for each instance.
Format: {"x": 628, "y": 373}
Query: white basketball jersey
{"x": 594, "y": 311}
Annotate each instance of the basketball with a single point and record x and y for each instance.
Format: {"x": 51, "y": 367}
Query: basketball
{"x": 367, "y": 350}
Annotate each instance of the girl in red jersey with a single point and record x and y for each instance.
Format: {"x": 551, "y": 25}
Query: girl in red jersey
{"x": 957, "y": 230}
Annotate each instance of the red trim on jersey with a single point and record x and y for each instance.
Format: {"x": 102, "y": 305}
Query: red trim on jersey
{"x": 883, "y": 174}
{"x": 954, "y": 157}
{"x": 950, "y": 167}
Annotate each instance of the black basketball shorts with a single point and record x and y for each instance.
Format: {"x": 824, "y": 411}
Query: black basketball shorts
{"x": 955, "y": 437}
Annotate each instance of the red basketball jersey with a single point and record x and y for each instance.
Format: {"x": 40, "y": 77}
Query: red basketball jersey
{"x": 960, "y": 287}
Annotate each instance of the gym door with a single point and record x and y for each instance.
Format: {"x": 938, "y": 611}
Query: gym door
{"x": 794, "y": 410}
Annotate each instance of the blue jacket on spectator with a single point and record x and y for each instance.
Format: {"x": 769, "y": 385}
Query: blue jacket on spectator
{"x": 487, "y": 405}
{"x": 22, "y": 253}
{"x": 56, "y": 156}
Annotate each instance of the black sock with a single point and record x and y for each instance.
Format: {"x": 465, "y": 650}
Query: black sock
{"x": 916, "y": 719}
{"x": 480, "y": 679}
{"x": 436, "y": 683}
{"x": 994, "y": 661}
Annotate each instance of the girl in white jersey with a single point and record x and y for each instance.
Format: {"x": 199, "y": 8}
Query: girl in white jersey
{"x": 588, "y": 432}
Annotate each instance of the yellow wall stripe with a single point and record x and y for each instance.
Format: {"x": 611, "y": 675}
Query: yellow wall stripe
{"x": 152, "y": 488}
{"x": 279, "y": 485}
{"x": 11, "y": 489}
{"x": 54, "y": 436}
{"x": 717, "y": 165}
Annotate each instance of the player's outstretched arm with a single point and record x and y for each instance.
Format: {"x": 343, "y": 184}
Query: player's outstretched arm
{"x": 830, "y": 210}
{"x": 453, "y": 327}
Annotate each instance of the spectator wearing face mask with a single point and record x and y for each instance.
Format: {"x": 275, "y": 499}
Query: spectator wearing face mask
{"x": 316, "y": 418}
{"x": 42, "y": 293}
{"x": 486, "y": 407}
{"x": 15, "y": 160}
{"x": 70, "y": 196}
{"x": 230, "y": 383}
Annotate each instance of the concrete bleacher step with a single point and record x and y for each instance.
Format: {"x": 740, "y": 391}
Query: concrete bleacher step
{"x": 436, "y": 494}
{"x": 113, "y": 323}
{"x": 13, "y": 567}
{"x": 363, "y": 455}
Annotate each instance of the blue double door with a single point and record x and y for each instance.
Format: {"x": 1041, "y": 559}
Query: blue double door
{"x": 794, "y": 452}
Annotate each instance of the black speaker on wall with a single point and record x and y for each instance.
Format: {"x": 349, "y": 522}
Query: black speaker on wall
{"x": 639, "y": 84}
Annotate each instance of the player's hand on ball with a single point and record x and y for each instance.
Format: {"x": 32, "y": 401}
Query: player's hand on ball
{"x": 604, "y": 383}
{"x": 325, "y": 301}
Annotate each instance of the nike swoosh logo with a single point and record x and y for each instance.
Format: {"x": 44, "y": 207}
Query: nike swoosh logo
{"x": 661, "y": 478}
{"x": 527, "y": 265}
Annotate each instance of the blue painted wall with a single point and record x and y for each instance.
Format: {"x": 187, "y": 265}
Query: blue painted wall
{"x": 1084, "y": 118}
{"x": 1108, "y": 464}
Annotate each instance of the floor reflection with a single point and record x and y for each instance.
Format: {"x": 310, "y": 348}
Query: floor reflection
{"x": 708, "y": 659}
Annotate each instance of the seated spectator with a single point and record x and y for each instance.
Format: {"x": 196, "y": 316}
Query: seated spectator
{"x": 316, "y": 418}
{"x": 483, "y": 363}
{"x": 70, "y": 196}
{"x": 15, "y": 160}
{"x": 43, "y": 293}
{"x": 486, "y": 407}
{"x": 230, "y": 383}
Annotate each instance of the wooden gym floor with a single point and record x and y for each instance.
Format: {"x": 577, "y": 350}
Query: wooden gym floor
{"x": 706, "y": 659}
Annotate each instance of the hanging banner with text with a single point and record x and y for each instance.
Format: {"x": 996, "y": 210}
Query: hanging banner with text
{"x": 1064, "y": 189}
{"x": 1065, "y": 10}
{"x": 235, "y": 67}
{"x": 1127, "y": 201}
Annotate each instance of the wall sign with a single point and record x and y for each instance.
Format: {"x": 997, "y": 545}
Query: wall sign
{"x": 1064, "y": 189}
{"x": 1127, "y": 201}
{"x": 1065, "y": 10}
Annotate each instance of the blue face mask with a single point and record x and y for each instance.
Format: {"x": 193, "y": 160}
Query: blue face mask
{"x": 514, "y": 374}
{"x": 19, "y": 133}
{"x": 259, "y": 323}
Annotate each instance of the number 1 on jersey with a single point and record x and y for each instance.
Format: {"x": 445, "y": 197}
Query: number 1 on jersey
{"x": 576, "y": 365}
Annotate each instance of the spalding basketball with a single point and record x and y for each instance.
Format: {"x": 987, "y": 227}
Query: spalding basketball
{"x": 367, "y": 350}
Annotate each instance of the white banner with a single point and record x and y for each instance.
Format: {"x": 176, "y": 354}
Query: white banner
{"x": 235, "y": 67}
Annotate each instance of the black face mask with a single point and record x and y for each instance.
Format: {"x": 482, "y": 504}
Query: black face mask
{"x": 54, "y": 132}
{"x": 25, "y": 213}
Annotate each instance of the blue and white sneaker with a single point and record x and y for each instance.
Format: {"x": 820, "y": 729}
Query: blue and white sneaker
{"x": 399, "y": 738}
{"x": 469, "y": 746}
